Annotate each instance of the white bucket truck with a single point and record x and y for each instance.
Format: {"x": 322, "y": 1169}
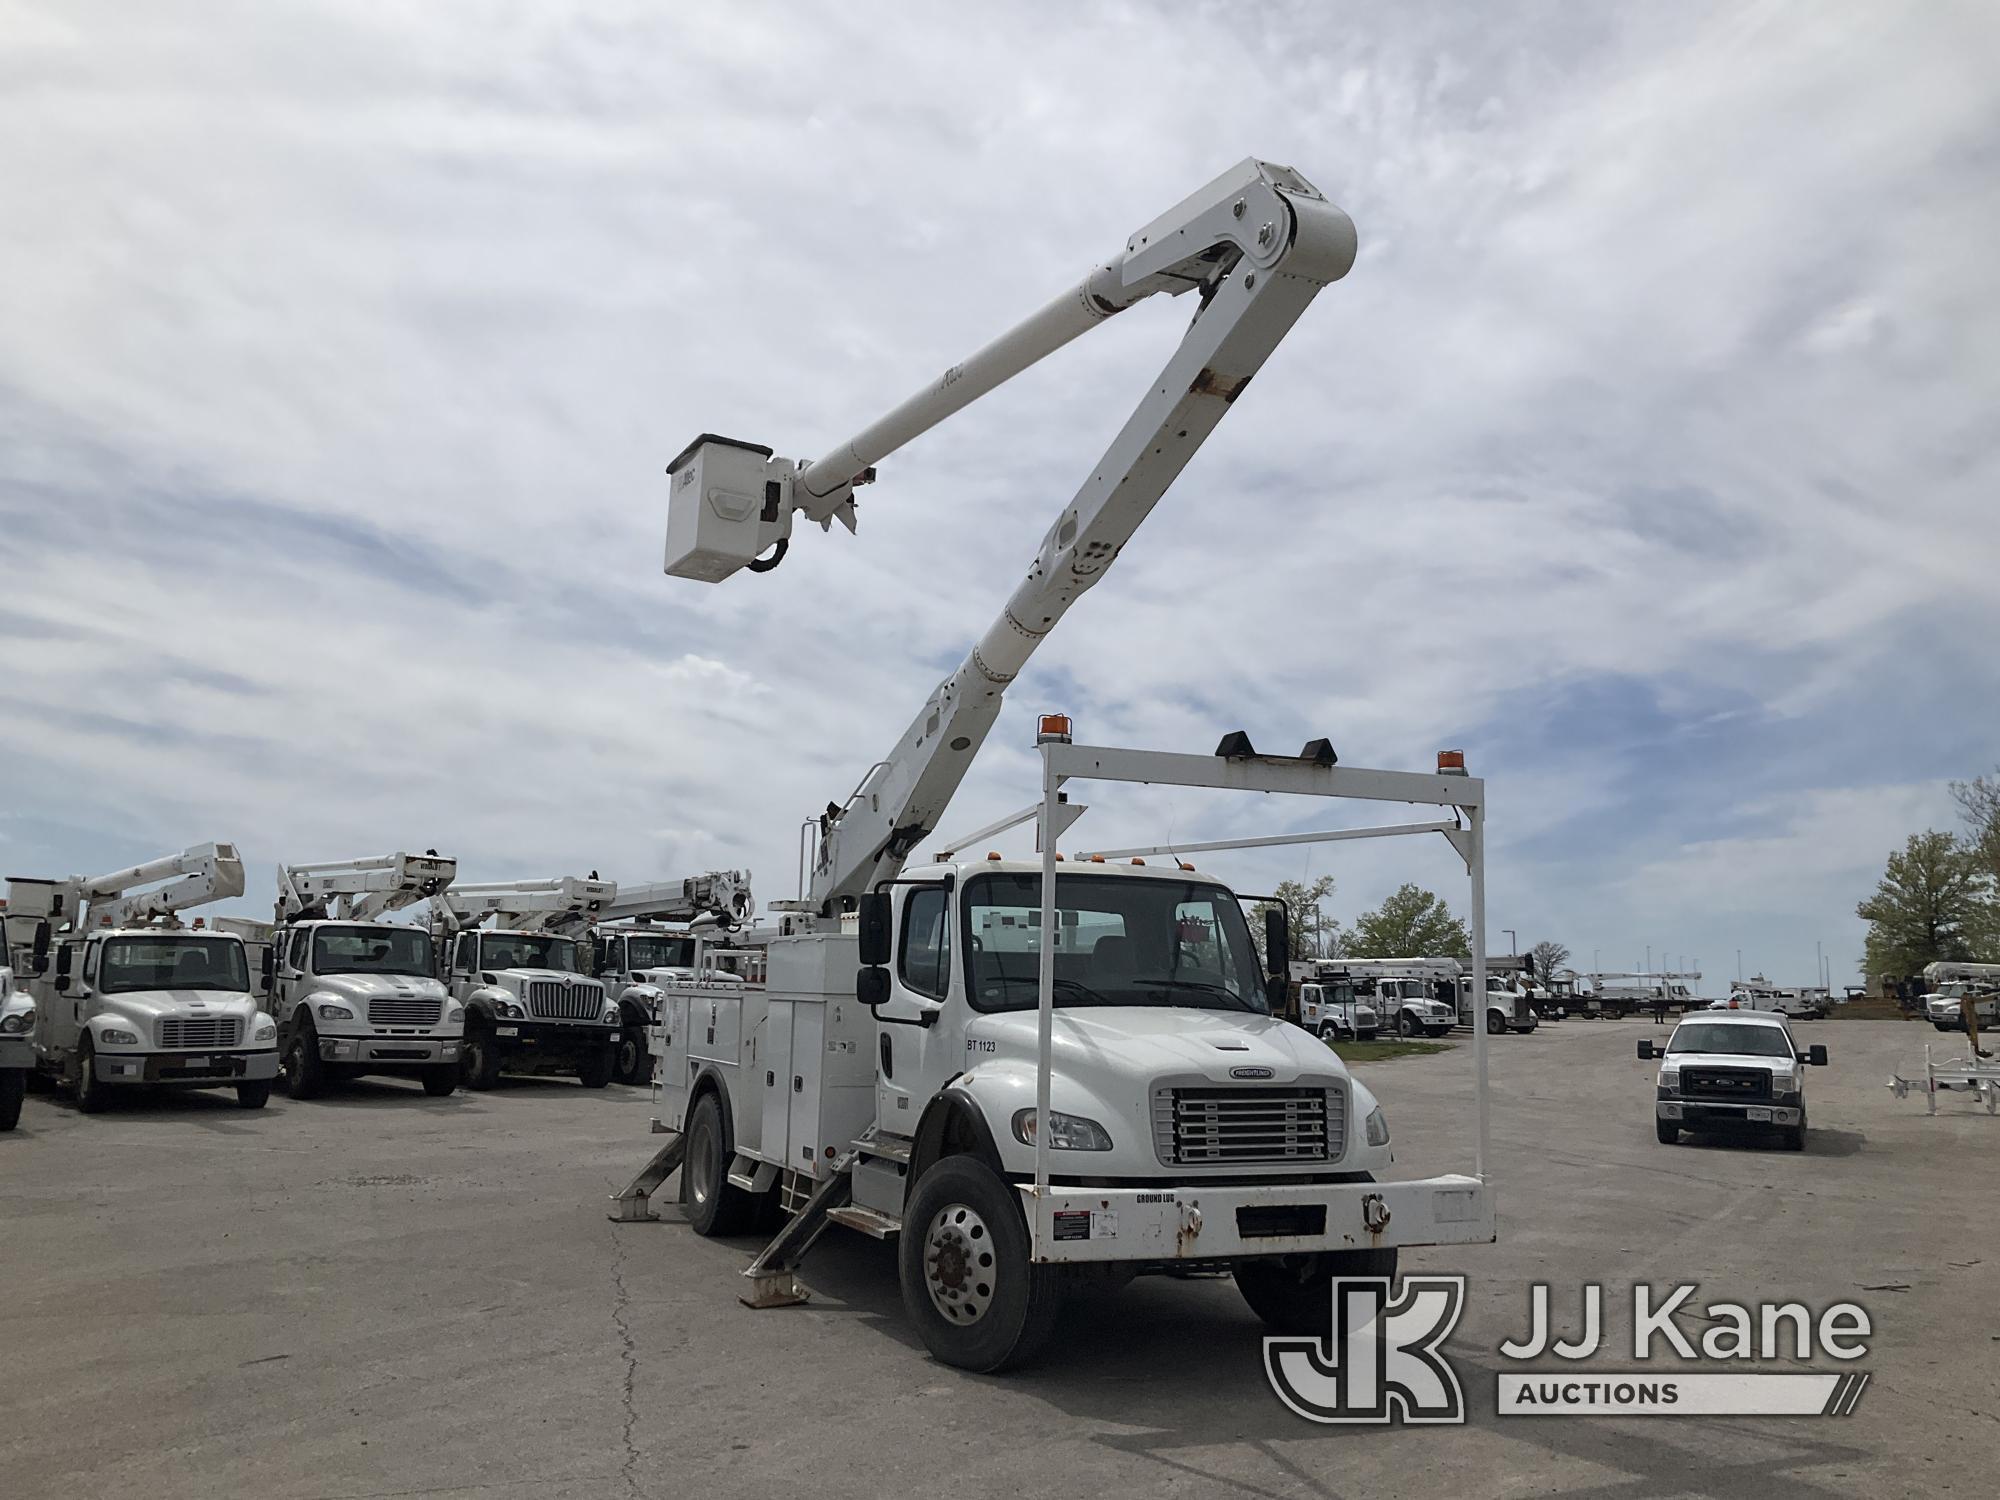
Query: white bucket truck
{"x": 1106, "y": 1093}
{"x": 17, "y": 1015}
{"x": 1332, "y": 1004}
{"x": 132, "y": 997}
{"x": 353, "y": 994}
{"x": 529, "y": 1006}
{"x": 633, "y": 955}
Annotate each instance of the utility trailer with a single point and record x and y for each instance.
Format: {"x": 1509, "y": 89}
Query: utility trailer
{"x": 133, "y": 997}
{"x": 1038, "y": 1120}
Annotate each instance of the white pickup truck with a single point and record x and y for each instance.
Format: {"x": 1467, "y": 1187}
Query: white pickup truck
{"x": 1732, "y": 1070}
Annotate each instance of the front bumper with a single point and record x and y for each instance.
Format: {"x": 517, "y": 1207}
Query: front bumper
{"x": 1697, "y": 1112}
{"x": 196, "y": 1068}
{"x": 553, "y": 1040}
{"x": 397, "y": 1051}
{"x": 1183, "y": 1222}
{"x": 17, "y": 1052}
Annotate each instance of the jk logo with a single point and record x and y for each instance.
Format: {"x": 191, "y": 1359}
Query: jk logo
{"x": 1381, "y": 1362}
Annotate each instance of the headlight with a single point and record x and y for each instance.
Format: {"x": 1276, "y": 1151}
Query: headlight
{"x": 268, "y": 1032}
{"x": 1066, "y": 1132}
{"x": 1377, "y": 1125}
{"x": 335, "y": 1013}
{"x": 1670, "y": 1078}
{"x": 455, "y": 1013}
{"x": 18, "y": 1023}
{"x": 115, "y": 1036}
{"x": 506, "y": 1010}
{"x": 1785, "y": 1078}
{"x": 610, "y": 1015}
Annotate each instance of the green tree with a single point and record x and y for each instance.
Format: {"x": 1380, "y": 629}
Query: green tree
{"x": 1413, "y": 923}
{"x": 1979, "y": 802}
{"x": 1929, "y": 894}
{"x": 1547, "y": 957}
{"x": 1313, "y": 933}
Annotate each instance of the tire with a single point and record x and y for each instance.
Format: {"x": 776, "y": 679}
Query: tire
{"x": 253, "y": 1094}
{"x": 305, "y": 1072}
{"x": 1496, "y": 1024}
{"x": 1406, "y": 1026}
{"x": 13, "y": 1089}
{"x": 594, "y": 1072}
{"x": 440, "y": 1083}
{"x": 1795, "y": 1135}
{"x": 964, "y": 1247}
{"x": 1438, "y": 1031}
{"x": 1328, "y": 1032}
{"x": 632, "y": 1063}
{"x": 1942, "y": 1027}
{"x": 478, "y": 1059}
{"x": 90, "y": 1096}
{"x": 1294, "y": 1294}
{"x": 1668, "y": 1132}
{"x": 714, "y": 1207}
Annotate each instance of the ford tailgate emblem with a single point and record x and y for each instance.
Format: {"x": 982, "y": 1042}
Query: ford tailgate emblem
{"x": 1249, "y": 1072}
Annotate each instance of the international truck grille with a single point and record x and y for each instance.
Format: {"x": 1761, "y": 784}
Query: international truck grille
{"x": 1248, "y": 1126}
{"x": 201, "y": 1031}
{"x": 1725, "y": 1083}
{"x": 404, "y": 1010}
{"x": 556, "y": 1000}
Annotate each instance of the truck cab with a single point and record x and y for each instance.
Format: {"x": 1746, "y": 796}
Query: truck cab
{"x": 153, "y": 1005}
{"x": 1414, "y": 1007}
{"x": 1330, "y": 1009}
{"x": 1509, "y": 1007}
{"x": 529, "y": 1008}
{"x": 17, "y": 1048}
{"x": 1945, "y": 1010}
{"x": 1732, "y": 1070}
{"x": 355, "y": 998}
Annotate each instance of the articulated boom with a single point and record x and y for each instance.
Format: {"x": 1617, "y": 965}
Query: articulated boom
{"x": 566, "y": 904}
{"x": 361, "y": 890}
{"x": 194, "y": 877}
{"x": 1258, "y": 243}
{"x": 723, "y": 895}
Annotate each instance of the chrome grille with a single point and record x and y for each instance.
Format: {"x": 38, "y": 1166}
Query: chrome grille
{"x": 201, "y": 1031}
{"x": 1224, "y": 1126}
{"x": 564, "y": 1000}
{"x": 404, "y": 1010}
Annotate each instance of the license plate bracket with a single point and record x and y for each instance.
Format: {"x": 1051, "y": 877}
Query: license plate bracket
{"x": 1760, "y": 1116}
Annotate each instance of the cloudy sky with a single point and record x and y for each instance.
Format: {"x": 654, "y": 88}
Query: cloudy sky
{"x": 1648, "y": 453}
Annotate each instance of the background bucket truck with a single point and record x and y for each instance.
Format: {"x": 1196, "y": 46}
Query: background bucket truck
{"x": 355, "y": 995}
{"x": 133, "y": 997}
{"x": 529, "y": 1006}
{"x": 632, "y": 956}
{"x": 1044, "y": 1078}
{"x": 17, "y": 1016}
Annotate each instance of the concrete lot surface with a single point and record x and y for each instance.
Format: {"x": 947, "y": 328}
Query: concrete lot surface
{"x": 377, "y": 1294}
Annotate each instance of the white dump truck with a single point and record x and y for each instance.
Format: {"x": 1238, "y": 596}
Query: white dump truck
{"x": 132, "y": 996}
{"x": 1044, "y": 1077}
{"x": 529, "y": 1006}
{"x": 353, "y": 994}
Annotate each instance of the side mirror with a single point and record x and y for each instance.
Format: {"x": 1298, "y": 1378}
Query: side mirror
{"x": 1816, "y": 1055}
{"x": 1277, "y": 941}
{"x": 1647, "y": 1052}
{"x": 270, "y": 966}
{"x": 871, "y": 986}
{"x": 1278, "y": 993}
{"x": 874, "y": 928}
{"x": 41, "y": 948}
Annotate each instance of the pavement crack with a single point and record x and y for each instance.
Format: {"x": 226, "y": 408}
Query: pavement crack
{"x": 629, "y": 1352}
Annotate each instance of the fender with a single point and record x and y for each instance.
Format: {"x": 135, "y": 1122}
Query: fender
{"x": 709, "y": 1080}
{"x": 645, "y": 999}
{"x": 480, "y": 1002}
{"x": 952, "y": 1125}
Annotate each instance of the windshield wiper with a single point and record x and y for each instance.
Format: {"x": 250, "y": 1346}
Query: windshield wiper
{"x": 1200, "y": 986}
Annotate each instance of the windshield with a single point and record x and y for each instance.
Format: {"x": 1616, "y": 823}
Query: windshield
{"x": 1119, "y": 941}
{"x": 525, "y": 950}
{"x": 172, "y": 961}
{"x": 371, "y": 950}
{"x": 659, "y": 952}
{"x": 1721, "y": 1036}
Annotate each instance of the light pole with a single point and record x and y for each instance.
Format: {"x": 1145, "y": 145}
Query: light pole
{"x": 1513, "y": 943}
{"x": 1739, "y": 965}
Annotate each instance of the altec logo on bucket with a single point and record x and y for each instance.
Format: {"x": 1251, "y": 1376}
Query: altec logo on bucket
{"x": 1384, "y": 1359}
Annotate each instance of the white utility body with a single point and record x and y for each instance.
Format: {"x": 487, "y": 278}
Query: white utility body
{"x": 529, "y": 1006}
{"x": 1331, "y": 1004}
{"x": 132, "y": 996}
{"x": 633, "y": 954}
{"x": 354, "y": 994}
{"x": 1408, "y": 994}
{"x": 891, "y": 1073}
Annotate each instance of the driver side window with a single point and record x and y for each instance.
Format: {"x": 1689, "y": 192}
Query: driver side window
{"x": 924, "y": 965}
{"x": 462, "y": 959}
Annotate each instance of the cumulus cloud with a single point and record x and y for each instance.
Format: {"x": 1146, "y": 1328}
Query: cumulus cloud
{"x": 1647, "y": 452}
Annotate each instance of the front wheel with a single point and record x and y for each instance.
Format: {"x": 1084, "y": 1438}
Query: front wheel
{"x": 977, "y": 1301}
{"x": 90, "y": 1095}
{"x": 1439, "y": 1031}
{"x": 1795, "y": 1135}
{"x": 594, "y": 1072}
{"x": 440, "y": 1083}
{"x": 1406, "y": 1025}
{"x": 1668, "y": 1132}
{"x": 305, "y": 1073}
{"x": 1294, "y": 1293}
{"x": 253, "y": 1094}
{"x": 1496, "y": 1024}
{"x": 479, "y": 1060}
{"x": 13, "y": 1089}
{"x": 632, "y": 1064}
{"x": 1328, "y": 1032}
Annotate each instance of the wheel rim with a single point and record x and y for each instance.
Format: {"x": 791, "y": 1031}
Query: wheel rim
{"x": 628, "y": 1059}
{"x": 958, "y": 1264}
{"x": 475, "y": 1058}
{"x": 295, "y": 1061}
